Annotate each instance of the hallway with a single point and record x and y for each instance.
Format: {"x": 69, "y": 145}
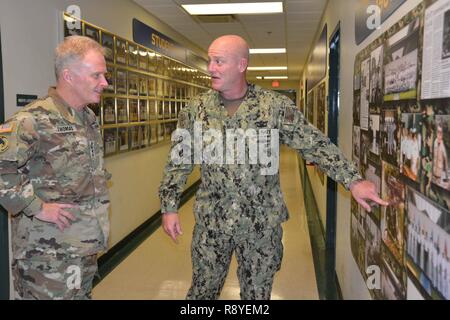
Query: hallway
{"x": 160, "y": 269}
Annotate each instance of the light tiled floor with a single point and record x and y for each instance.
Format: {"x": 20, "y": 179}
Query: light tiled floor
{"x": 161, "y": 269}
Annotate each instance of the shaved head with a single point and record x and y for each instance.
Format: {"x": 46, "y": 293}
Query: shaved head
{"x": 232, "y": 44}
{"x": 228, "y": 62}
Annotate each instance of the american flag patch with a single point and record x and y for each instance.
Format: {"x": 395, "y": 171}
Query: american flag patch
{"x": 6, "y": 128}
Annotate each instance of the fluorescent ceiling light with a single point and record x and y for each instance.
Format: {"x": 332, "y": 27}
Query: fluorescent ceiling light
{"x": 273, "y": 50}
{"x": 234, "y": 8}
{"x": 265, "y": 68}
{"x": 271, "y": 77}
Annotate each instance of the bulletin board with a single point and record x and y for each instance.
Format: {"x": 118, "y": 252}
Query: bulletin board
{"x": 401, "y": 142}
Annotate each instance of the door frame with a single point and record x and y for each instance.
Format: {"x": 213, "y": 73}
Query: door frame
{"x": 333, "y": 133}
{"x": 4, "y": 234}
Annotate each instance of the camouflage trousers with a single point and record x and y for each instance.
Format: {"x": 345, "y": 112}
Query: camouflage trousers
{"x": 40, "y": 278}
{"x": 258, "y": 256}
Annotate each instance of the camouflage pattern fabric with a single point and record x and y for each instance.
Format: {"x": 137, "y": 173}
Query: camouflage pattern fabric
{"x": 51, "y": 279}
{"x": 54, "y": 154}
{"x": 236, "y": 198}
{"x": 259, "y": 257}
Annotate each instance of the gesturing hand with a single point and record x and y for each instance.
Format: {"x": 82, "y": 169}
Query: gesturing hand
{"x": 171, "y": 225}
{"x": 55, "y": 213}
{"x": 365, "y": 190}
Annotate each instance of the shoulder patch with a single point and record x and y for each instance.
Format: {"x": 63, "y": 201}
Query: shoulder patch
{"x": 6, "y": 128}
{"x": 4, "y": 144}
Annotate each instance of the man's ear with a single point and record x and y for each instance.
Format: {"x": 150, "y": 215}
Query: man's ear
{"x": 243, "y": 63}
{"x": 67, "y": 75}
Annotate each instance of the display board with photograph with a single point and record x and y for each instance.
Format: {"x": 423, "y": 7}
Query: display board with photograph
{"x": 145, "y": 93}
{"x": 401, "y": 142}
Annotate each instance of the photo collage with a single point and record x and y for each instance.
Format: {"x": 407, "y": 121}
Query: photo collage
{"x": 401, "y": 142}
{"x": 146, "y": 91}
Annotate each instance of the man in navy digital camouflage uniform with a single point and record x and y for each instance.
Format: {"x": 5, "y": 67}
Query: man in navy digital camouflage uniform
{"x": 239, "y": 206}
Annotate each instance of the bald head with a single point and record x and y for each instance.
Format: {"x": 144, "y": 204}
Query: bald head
{"x": 228, "y": 61}
{"x": 232, "y": 44}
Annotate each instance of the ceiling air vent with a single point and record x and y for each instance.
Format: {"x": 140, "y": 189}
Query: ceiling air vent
{"x": 216, "y": 18}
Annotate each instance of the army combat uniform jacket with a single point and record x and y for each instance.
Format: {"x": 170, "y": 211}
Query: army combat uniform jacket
{"x": 52, "y": 153}
{"x": 237, "y": 198}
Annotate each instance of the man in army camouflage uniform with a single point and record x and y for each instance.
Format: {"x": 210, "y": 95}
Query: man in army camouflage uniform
{"x": 238, "y": 208}
{"x": 53, "y": 180}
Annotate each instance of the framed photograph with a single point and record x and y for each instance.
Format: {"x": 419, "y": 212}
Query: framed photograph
{"x": 133, "y": 84}
{"x": 166, "y": 66}
{"x": 143, "y": 110}
{"x": 390, "y": 135}
{"x": 121, "y": 51}
{"x": 133, "y": 135}
{"x": 110, "y": 141}
{"x": 441, "y": 151}
{"x": 122, "y": 113}
{"x": 109, "y": 110}
{"x": 153, "y": 134}
{"x": 152, "y": 62}
{"x": 436, "y": 51}
{"x": 132, "y": 55}
{"x": 356, "y": 144}
{"x": 167, "y": 106}
{"x": 376, "y": 77}
{"x": 393, "y": 278}
{"x": 143, "y": 59}
{"x": 173, "y": 109}
{"x": 321, "y": 107}
{"x": 144, "y": 136}
{"x": 373, "y": 174}
{"x": 152, "y": 109}
{"x": 133, "y": 110}
{"x": 374, "y": 136}
{"x": 121, "y": 81}
{"x": 357, "y": 241}
{"x": 123, "y": 139}
{"x": 108, "y": 45}
{"x": 166, "y": 89}
{"x": 159, "y": 88}
{"x": 364, "y": 96}
{"x": 143, "y": 85}
{"x": 152, "y": 87}
{"x": 160, "y": 109}
{"x": 173, "y": 90}
{"x": 393, "y": 216}
{"x": 356, "y": 108}
{"x": 161, "y": 132}
{"x": 410, "y": 145}
{"x": 400, "y": 63}
{"x": 110, "y": 77}
{"x": 428, "y": 240}
{"x": 92, "y": 32}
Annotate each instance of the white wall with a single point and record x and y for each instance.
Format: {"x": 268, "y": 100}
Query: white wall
{"x": 30, "y": 32}
{"x": 350, "y": 278}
